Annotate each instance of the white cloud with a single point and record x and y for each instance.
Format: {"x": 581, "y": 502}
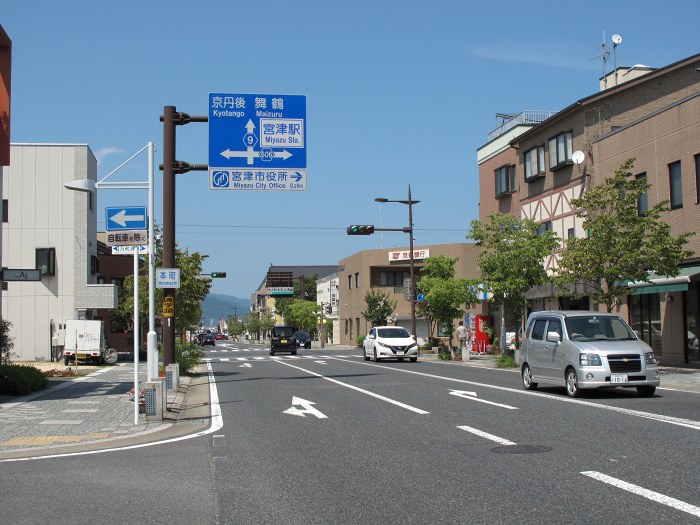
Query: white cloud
{"x": 102, "y": 153}
{"x": 541, "y": 58}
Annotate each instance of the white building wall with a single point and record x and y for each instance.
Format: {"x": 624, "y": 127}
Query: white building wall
{"x": 44, "y": 214}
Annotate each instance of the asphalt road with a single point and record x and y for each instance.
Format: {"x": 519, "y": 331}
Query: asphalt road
{"x": 325, "y": 437}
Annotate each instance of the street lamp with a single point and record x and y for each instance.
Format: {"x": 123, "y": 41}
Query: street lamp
{"x": 412, "y": 288}
{"x": 89, "y": 185}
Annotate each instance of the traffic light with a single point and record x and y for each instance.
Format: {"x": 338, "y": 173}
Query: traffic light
{"x": 218, "y": 275}
{"x": 329, "y": 309}
{"x": 360, "y": 229}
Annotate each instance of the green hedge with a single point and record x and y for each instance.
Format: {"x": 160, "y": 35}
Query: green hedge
{"x": 17, "y": 380}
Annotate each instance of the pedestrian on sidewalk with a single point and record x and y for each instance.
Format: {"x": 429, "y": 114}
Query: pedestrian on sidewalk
{"x": 462, "y": 336}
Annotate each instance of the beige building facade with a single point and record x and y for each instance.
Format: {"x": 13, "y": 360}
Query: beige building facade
{"x": 654, "y": 118}
{"x": 386, "y": 270}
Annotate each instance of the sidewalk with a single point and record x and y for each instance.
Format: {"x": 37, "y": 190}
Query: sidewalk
{"x": 88, "y": 412}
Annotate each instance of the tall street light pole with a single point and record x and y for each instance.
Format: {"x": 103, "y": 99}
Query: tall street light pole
{"x": 412, "y": 287}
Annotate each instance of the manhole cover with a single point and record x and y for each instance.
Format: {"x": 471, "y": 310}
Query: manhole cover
{"x": 521, "y": 449}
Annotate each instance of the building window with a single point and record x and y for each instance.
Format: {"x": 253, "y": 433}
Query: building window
{"x": 46, "y": 260}
{"x": 392, "y": 278}
{"x": 676, "y": 184}
{"x": 94, "y": 265}
{"x": 90, "y": 200}
{"x": 571, "y": 233}
{"x": 357, "y": 280}
{"x": 534, "y": 163}
{"x": 5, "y": 215}
{"x": 643, "y": 202}
{"x": 505, "y": 180}
{"x": 544, "y": 227}
{"x": 4, "y": 283}
{"x": 560, "y": 150}
{"x": 697, "y": 179}
{"x": 349, "y": 282}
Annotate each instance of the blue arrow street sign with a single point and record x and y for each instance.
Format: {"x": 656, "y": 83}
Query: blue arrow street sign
{"x": 126, "y": 218}
{"x": 257, "y": 131}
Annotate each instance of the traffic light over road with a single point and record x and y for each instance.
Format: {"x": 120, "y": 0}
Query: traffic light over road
{"x": 218, "y": 275}
{"x": 360, "y": 229}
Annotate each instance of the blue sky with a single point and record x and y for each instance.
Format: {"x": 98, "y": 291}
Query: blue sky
{"x": 398, "y": 93}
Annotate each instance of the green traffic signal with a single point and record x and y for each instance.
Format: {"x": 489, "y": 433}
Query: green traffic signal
{"x": 218, "y": 275}
{"x": 360, "y": 229}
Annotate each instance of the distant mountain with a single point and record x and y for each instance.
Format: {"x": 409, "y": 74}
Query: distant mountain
{"x": 215, "y": 305}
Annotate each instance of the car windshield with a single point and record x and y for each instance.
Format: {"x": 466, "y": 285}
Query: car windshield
{"x": 605, "y": 327}
{"x": 283, "y": 331}
{"x": 302, "y": 335}
{"x": 392, "y": 333}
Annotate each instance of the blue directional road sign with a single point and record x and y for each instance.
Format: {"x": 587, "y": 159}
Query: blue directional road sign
{"x": 126, "y": 218}
{"x": 257, "y": 131}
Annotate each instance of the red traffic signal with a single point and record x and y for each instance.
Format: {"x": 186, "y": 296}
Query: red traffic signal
{"x": 360, "y": 229}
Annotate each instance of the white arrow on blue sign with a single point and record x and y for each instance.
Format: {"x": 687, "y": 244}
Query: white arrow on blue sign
{"x": 126, "y": 218}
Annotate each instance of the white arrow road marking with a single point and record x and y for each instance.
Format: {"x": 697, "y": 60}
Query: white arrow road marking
{"x": 490, "y": 437}
{"x": 320, "y": 362}
{"x": 307, "y": 408}
{"x": 645, "y": 493}
{"x": 245, "y": 365}
{"x": 372, "y": 394}
{"x": 122, "y": 218}
{"x": 472, "y": 395}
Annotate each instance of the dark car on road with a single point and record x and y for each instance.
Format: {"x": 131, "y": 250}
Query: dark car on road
{"x": 207, "y": 339}
{"x": 303, "y": 339}
{"x": 282, "y": 340}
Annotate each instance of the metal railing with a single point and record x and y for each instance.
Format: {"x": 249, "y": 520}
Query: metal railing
{"x": 526, "y": 117}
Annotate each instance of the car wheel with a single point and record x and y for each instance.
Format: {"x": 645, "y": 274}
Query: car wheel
{"x": 413, "y": 359}
{"x": 294, "y": 352}
{"x": 271, "y": 352}
{"x": 572, "y": 388}
{"x": 376, "y": 360}
{"x": 400, "y": 359}
{"x": 646, "y": 390}
{"x": 364, "y": 354}
{"x": 526, "y": 374}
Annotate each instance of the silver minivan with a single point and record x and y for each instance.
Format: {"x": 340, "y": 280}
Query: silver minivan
{"x": 581, "y": 350}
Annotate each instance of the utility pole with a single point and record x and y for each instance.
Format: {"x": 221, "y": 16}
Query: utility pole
{"x": 170, "y": 168}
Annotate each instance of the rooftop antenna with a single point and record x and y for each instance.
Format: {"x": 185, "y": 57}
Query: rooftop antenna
{"x": 604, "y": 55}
{"x": 616, "y": 40}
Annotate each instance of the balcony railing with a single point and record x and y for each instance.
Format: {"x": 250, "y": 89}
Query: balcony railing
{"x": 527, "y": 117}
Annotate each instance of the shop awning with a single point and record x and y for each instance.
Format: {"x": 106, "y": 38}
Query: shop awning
{"x": 662, "y": 284}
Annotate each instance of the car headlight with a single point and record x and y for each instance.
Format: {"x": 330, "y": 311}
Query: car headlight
{"x": 590, "y": 360}
{"x": 649, "y": 358}
{"x": 383, "y": 344}
{"x": 414, "y": 345}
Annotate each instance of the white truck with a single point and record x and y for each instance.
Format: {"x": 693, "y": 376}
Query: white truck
{"x": 85, "y": 338}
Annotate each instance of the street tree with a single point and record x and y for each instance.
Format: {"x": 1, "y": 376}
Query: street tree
{"x": 188, "y": 298}
{"x": 378, "y": 308}
{"x": 445, "y": 296}
{"x": 303, "y": 315}
{"x": 512, "y": 258}
{"x": 304, "y": 289}
{"x": 622, "y": 244}
{"x": 235, "y": 326}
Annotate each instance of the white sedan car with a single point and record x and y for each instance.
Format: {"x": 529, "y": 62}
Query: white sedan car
{"x": 390, "y": 342}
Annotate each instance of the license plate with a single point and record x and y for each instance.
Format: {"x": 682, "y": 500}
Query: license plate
{"x": 619, "y": 378}
{"x": 283, "y": 340}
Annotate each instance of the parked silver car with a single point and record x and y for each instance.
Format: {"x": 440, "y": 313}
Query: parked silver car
{"x": 581, "y": 350}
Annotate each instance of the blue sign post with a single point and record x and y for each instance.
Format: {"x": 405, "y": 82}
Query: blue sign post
{"x": 126, "y": 218}
{"x": 257, "y": 142}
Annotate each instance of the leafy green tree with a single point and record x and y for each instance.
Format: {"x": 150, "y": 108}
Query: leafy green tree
{"x": 252, "y": 323}
{"x": 267, "y": 321}
{"x": 188, "y": 298}
{"x": 304, "y": 290}
{"x": 379, "y": 307}
{"x": 6, "y": 343}
{"x": 303, "y": 315}
{"x": 512, "y": 258}
{"x": 621, "y": 244}
{"x": 235, "y": 326}
{"x": 445, "y": 296}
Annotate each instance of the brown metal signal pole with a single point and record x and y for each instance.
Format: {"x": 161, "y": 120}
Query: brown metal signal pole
{"x": 172, "y": 167}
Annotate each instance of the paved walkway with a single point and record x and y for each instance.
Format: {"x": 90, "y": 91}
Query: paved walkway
{"x": 95, "y": 411}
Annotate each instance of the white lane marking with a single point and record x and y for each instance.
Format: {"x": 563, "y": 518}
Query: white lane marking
{"x": 217, "y": 422}
{"x": 224, "y": 359}
{"x": 688, "y": 423}
{"x": 320, "y": 362}
{"x": 645, "y": 493}
{"x": 307, "y": 408}
{"x": 486, "y": 435}
{"x": 372, "y": 394}
{"x": 245, "y": 365}
{"x": 472, "y": 395}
